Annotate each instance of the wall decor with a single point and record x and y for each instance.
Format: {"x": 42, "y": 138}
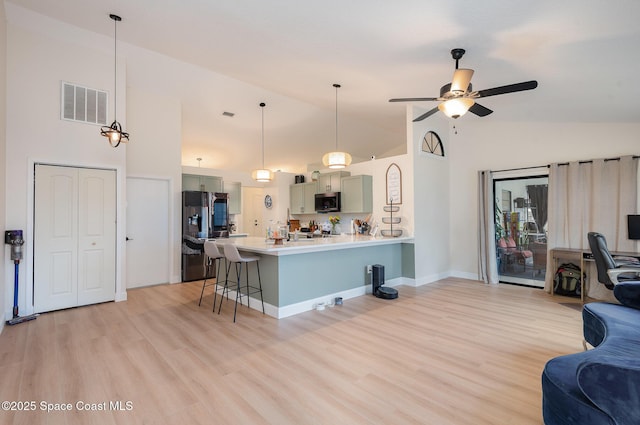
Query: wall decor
{"x": 394, "y": 185}
{"x": 431, "y": 144}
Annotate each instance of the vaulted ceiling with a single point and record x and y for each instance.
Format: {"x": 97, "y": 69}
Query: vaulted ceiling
{"x": 585, "y": 55}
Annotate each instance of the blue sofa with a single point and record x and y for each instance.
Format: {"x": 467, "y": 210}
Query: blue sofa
{"x": 602, "y": 385}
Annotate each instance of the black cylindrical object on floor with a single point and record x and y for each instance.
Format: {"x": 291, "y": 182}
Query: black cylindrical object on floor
{"x": 377, "y": 284}
{"x": 377, "y": 278}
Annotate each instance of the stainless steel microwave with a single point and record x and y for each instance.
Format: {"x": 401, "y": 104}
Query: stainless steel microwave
{"x": 327, "y": 202}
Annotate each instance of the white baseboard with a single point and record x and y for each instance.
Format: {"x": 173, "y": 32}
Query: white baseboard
{"x": 464, "y": 275}
{"x": 308, "y": 305}
{"x": 328, "y": 300}
{"x": 398, "y": 281}
{"x": 425, "y": 280}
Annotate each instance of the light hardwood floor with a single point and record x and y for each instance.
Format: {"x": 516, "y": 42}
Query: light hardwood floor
{"x": 453, "y": 352}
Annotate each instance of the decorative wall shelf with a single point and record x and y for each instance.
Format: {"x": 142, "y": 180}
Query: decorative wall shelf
{"x": 391, "y": 220}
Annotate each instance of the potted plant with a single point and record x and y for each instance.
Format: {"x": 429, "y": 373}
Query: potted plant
{"x": 334, "y": 220}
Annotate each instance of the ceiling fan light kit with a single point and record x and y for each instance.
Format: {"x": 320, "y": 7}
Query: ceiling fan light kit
{"x": 458, "y": 96}
{"x": 114, "y": 132}
{"x": 455, "y": 108}
{"x": 336, "y": 159}
{"x": 262, "y": 175}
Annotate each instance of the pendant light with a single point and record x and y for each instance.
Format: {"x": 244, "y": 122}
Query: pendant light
{"x": 262, "y": 175}
{"x": 114, "y": 132}
{"x": 336, "y": 159}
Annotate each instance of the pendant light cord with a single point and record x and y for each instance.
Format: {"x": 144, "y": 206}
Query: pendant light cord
{"x": 114, "y": 132}
{"x": 337, "y": 86}
{"x": 115, "y": 69}
{"x": 262, "y": 105}
{"x": 115, "y": 18}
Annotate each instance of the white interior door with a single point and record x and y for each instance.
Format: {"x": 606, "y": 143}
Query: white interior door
{"x": 148, "y": 232}
{"x": 55, "y": 272}
{"x": 252, "y": 202}
{"x": 96, "y": 236}
{"x": 74, "y": 235}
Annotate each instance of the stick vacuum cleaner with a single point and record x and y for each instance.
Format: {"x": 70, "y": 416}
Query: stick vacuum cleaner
{"x": 14, "y": 238}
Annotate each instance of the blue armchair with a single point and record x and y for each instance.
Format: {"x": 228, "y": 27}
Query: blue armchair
{"x": 602, "y": 385}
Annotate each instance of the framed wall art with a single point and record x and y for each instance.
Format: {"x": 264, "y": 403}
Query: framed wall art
{"x": 394, "y": 185}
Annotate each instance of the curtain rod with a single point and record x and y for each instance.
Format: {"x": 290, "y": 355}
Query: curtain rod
{"x": 561, "y": 163}
{"x": 521, "y": 168}
{"x": 590, "y": 161}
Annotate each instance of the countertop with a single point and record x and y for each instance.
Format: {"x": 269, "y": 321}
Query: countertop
{"x": 260, "y": 246}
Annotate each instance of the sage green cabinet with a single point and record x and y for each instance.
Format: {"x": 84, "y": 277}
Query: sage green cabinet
{"x": 357, "y": 194}
{"x": 302, "y": 198}
{"x": 201, "y": 183}
{"x": 330, "y": 182}
{"x": 234, "y": 189}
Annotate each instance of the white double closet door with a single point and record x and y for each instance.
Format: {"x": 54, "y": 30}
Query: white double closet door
{"x": 74, "y": 237}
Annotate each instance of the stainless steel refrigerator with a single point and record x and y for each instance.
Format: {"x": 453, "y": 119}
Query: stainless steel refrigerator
{"x": 220, "y": 219}
{"x": 204, "y": 215}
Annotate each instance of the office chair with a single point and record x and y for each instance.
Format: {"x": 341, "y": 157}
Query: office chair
{"x": 610, "y": 271}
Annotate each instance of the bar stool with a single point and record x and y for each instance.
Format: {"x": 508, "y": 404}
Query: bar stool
{"x": 233, "y": 257}
{"x": 213, "y": 256}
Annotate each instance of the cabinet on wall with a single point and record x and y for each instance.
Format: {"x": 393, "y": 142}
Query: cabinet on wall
{"x": 302, "y": 198}
{"x": 357, "y": 194}
{"x": 201, "y": 183}
{"x": 234, "y": 189}
{"x": 330, "y": 182}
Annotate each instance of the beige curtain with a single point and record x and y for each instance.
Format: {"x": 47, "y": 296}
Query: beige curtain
{"x": 591, "y": 196}
{"x": 487, "y": 265}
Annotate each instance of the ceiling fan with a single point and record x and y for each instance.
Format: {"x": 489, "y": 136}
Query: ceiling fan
{"x": 458, "y": 97}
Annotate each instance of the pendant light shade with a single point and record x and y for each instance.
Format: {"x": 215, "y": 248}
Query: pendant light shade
{"x": 455, "y": 108}
{"x": 336, "y": 159}
{"x": 114, "y": 132}
{"x": 262, "y": 175}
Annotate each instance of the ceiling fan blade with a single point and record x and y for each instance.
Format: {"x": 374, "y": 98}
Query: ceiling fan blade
{"x": 511, "y": 88}
{"x": 426, "y": 114}
{"x": 480, "y": 110}
{"x": 461, "y": 79}
{"x": 414, "y": 99}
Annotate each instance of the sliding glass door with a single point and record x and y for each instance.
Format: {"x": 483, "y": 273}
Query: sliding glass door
{"x": 520, "y": 210}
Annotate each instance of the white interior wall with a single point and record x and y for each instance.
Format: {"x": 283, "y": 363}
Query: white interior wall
{"x": 154, "y": 152}
{"x": 442, "y": 193}
{"x": 485, "y": 144}
{"x": 40, "y": 55}
{"x": 274, "y": 189}
{"x": 278, "y": 189}
{"x": 432, "y": 199}
{"x": 3, "y": 159}
{"x": 378, "y": 170}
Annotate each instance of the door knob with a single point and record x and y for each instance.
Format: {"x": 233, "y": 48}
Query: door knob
{"x": 128, "y": 238}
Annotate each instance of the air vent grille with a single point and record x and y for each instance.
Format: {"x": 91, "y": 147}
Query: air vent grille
{"x": 83, "y": 104}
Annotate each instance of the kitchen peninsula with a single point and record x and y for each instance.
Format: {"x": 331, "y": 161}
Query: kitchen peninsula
{"x": 299, "y": 274}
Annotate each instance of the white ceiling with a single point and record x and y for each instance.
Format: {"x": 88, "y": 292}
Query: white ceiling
{"x": 585, "y": 54}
